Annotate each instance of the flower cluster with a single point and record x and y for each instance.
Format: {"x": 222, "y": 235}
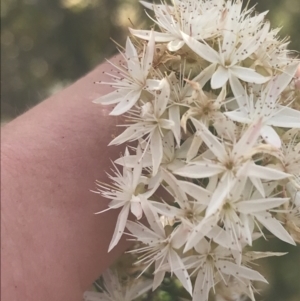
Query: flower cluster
{"x": 211, "y": 102}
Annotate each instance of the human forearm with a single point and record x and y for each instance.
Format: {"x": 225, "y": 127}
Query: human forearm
{"x": 53, "y": 246}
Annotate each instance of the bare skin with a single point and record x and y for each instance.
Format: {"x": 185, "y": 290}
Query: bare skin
{"x": 53, "y": 246}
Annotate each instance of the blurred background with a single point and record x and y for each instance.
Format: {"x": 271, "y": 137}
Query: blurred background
{"x": 48, "y": 44}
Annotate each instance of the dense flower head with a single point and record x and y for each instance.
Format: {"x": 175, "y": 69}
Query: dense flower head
{"x": 211, "y": 99}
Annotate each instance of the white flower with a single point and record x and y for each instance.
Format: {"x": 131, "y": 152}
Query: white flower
{"x": 214, "y": 265}
{"x": 130, "y": 81}
{"x": 153, "y": 124}
{"x": 159, "y": 249}
{"x": 227, "y": 59}
{"x": 127, "y": 191}
{"x": 230, "y": 163}
{"x": 266, "y": 107}
{"x": 191, "y": 17}
{"x": 113, "y": 290}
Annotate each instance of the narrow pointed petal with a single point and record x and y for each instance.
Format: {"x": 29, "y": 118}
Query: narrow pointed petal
{"x": 219, "y": 78}
{"x": 198, "y": 233}
{"x": 201, "y": 49}
{"x": 134, "y": 67}
{"x": 110, "y": 98}
{"x": 248, "y": 139}
{"x": 270, "y": 136}
{"x": 224, "y": 187}
{"x": 248, "y": 75}
{"x": 258, "y": 205}
{"x": 127, "y": 103}
{"x": 136, "y": 210}
{"x": 174, "y": 115}
{"x": 238, "y": 91}
{"x": 204, "y": 76}
{"x": 197, "y": 192}
{"x": 238, "y": 116}
{"x": 152, "y": 218}
{"x": 210, "y": 140}
{"x": 158, "y": 36}
{"x": 142, "y": 232}
{"x": 158, "y": 275}
{"x": 156, "y": 150}
{"x": 148, "y": 56}
{"x": 179, "y": 270}
{"x": 275, "y": 227}
{"x": 162, "y": 99}
{"x": 120, "y": 226}
{"x": 202, "y": 286}
{"x": 266, "y": 173}
{"x": 199, "y": 171}
{"x": 233, "y": 269}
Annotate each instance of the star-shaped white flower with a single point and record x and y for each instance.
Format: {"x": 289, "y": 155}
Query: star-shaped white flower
{"x": 213, "y": 265}
{"x": 127, "y": 191}
{"x": 266, "y": 106}
{"x": 152, "y": 123}
{"x": 227, "y": 59}
{"x": 229, "y": 163}
{"x": 131, "y": 80}
{"x": 193, "y": 18}
{"x": 160, "y": 246}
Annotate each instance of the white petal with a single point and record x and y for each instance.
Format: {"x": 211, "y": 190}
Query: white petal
{"x": 152, "y": 218}
{"x": 142, "y": 232}
{"x": 238, "y": 116}
{"x": 248, "y": 75}
{"x": 148, "y": 56}
{"x": 152, "y": 84}
{"x": 280, "y": 82}
{"x": 224, "y": 187}
{"x": 237, "y": 271}
{"x": 248, "y": 139}
{"x": 158, "y": 275}
{"x": 156, "y": 150}
{"x": 174, "y": 115}
{"x": 175, "y": 45}
{"x": 275, "y": 227}
{"x": 158, "y": 36}
{"x": 199, "y": 170}
{"x": 202, "y": 286}
{"x": 127, "y": 103}
{"x": 179, "y": 270}
{"x": 204, "y": 76}
{"x": 219, "y": 78}
{"x": 258, "y": 205}
{"x": 197, "y": 192}
{"x": 162, "y": 99}
{"x": 110, "y": 98}
{"x": 201, "y": 49}
{"x": 270, "y": 136}
{"x": 198, "y": 233}
{"x": 134, "y": 67}
{"x": 238, "y": 91}
{"x": 266, "y": 173}
{"x": 120, "y": 226}
{"x": 285, "y": 121}
{"x": 210, "y": 140}
{"x": 136, "y": 210}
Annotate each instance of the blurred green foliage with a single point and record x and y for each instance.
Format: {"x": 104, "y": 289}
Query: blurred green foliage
{"x": 47, "y": 44}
